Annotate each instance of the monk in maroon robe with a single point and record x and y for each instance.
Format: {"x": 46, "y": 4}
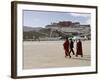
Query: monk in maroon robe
{"x": 66, "y": 47}
{"x": 79, "y": 49}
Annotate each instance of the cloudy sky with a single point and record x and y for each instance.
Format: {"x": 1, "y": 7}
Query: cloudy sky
{"x": 42, "y": 18}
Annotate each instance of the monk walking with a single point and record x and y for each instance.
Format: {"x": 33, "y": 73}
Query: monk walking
{"x": 66, "y": 47}
{"x": 79, "y": 48}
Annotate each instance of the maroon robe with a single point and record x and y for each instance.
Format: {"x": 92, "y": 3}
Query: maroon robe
{"x": 66, "y": 47}
{"x": 79, "y": 49}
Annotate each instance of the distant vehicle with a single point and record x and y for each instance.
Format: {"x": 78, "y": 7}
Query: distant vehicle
{"x": 78, "y": 37}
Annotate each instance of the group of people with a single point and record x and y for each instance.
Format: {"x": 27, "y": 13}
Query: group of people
{"x": 69, "y": 47}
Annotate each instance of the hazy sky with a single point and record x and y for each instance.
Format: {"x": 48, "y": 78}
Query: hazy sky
{"x": 42, "y": 18}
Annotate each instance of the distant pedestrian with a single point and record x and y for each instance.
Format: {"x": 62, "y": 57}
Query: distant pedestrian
{"x": 71, "y": 47}
{"x": 66, "y": 47}
{"x": 79, "y": 48}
